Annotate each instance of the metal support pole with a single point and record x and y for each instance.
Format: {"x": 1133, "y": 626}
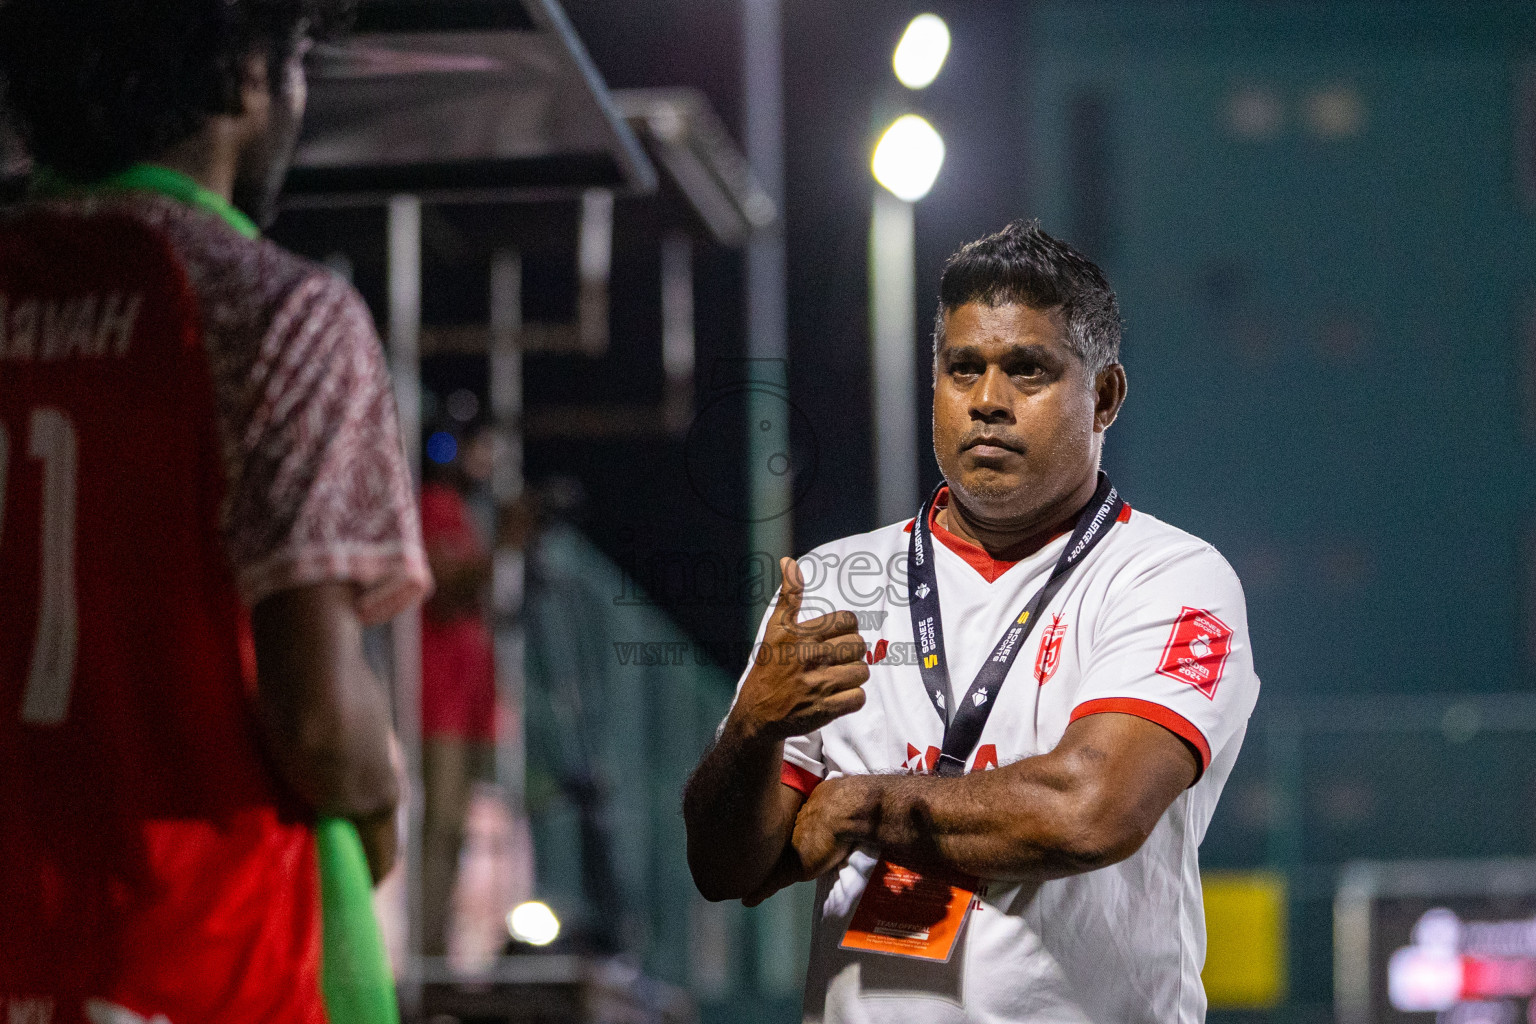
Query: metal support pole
{"x": 405, "y": 318}
{"x": 405, "y": 365}
{"x": 782, "y": 932}
{"x": 509, "y": 561}
{"x": 678, "y": 353}
{"x": 506, "y": 394}
{"x": 594, "y": 259}
{"x": 506, "y": 372}
{"x": 893, "y": 336}
{"x": 772, "y": 532}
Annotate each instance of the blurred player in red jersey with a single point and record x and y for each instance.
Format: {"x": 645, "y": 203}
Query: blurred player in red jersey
{"x": 203, "y": 499}
{"x": 458, "y": 676}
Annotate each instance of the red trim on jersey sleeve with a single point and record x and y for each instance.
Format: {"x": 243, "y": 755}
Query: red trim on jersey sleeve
{"x": 1125, "y": 513}
{"x": 795, "y": 777}
{"x": 1166, "y": 717}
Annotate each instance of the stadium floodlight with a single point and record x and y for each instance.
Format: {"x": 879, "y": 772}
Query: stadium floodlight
{"x": 534, "y": 923}
{"x": 906, "y": 163}
{"x": 921, "y": 52}
{"x": 908, "y": 157}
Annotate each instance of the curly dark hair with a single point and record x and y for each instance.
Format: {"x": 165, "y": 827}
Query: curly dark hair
{"x": 94, "y": 86}
{"x": 1022, "y": 264}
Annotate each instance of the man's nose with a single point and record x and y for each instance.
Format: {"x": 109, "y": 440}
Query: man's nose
{"x": 991, "y": 397}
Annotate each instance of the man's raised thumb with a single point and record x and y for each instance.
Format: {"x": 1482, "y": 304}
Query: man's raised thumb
{"x": 791, "y": 592}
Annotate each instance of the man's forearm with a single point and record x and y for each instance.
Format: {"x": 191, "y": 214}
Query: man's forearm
{"x": 1089, "y": 803}
{"x": 737, "y": 817}
{"x": 372, "y": 782}
{"x": 1037, "y": 818}
{"x": 325, "y": 716}
{"x": 989, "y": 824}
{"x": 338, "y": 759}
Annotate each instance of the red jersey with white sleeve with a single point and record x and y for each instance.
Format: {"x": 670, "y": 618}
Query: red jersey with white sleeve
{"x": 190, "y": 421}
{"x": 1151, "y": 623}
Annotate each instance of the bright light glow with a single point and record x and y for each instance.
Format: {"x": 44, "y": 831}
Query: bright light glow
{"x": 534, "y": 923}
{"x": 921, "y": 52}
{"x": 908, "y": 158}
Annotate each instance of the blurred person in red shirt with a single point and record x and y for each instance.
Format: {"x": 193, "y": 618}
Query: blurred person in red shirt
{"x": 458, "y": 671}
{"x": 203, "y": 499}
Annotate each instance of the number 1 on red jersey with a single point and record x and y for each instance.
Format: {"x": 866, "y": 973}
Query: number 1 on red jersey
{"x": 52, "y": 441}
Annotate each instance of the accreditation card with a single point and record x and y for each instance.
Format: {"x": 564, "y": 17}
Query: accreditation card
{"x": 911, "y": 912}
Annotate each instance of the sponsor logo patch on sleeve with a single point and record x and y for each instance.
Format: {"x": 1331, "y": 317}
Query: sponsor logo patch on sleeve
{"x": 1197, "y": 650}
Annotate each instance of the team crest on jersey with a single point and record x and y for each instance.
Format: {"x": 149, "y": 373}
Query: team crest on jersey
{"x": 1050, "y": 650}
{"x": 1197, "y": 650}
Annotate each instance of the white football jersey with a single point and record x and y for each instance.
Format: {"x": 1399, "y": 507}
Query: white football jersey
{"x": 1152, "y": 623}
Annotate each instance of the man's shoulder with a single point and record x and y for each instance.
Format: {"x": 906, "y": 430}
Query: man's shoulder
{"x": 235, "y": 279}
{"x": 247, "y": 294}
{"x": 218, "y": 257}
{"x": 1147, "y": 532}
{"x": 1149, "y": 547}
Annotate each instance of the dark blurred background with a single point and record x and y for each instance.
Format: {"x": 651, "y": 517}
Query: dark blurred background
{"x": 1320, "y": 218}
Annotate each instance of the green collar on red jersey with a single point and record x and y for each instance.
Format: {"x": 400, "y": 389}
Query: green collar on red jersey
{"x": 153, "y": 178}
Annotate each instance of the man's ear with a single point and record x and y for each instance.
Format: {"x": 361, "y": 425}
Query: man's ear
{"x": 1109, "y": 388}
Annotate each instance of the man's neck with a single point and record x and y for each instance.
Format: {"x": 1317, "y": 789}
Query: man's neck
{"x": 208, "y": 158}
{"x": 1011, "y": 541}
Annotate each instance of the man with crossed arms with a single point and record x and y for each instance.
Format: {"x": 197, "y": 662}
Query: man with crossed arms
{"x": 988, "y": 853}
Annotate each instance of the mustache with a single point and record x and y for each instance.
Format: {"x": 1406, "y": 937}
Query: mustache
{"x": 994, "y": 438}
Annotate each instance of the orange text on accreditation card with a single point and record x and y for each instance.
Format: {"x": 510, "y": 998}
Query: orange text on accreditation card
{"x": 911, "y": 913}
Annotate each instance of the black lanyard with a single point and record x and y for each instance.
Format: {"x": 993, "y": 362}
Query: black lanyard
{"x": 963, "y": 732}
